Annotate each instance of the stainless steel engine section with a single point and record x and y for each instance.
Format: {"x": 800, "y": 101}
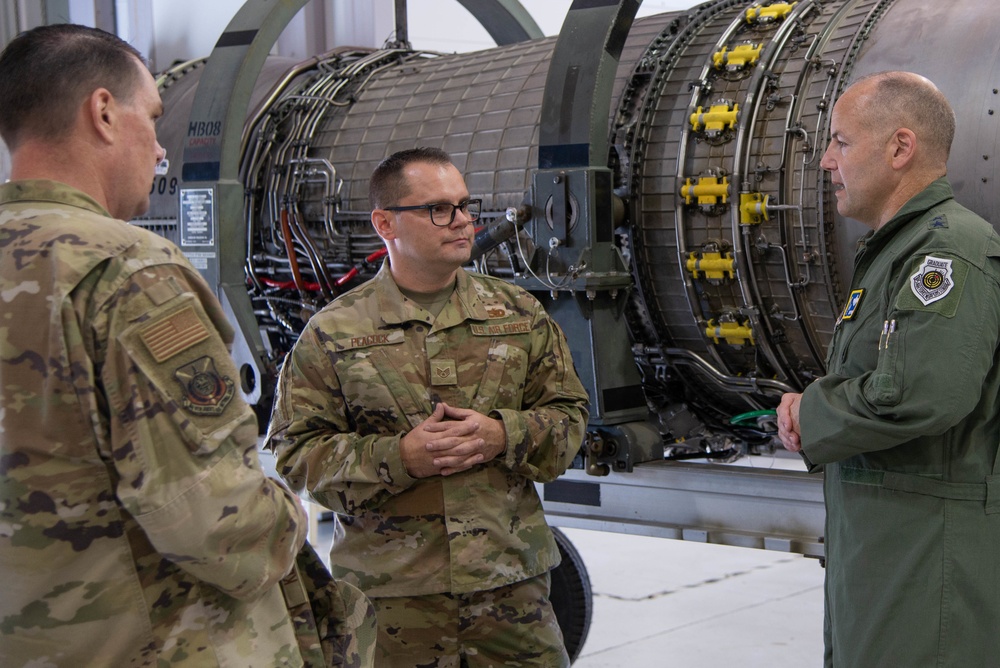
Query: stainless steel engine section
{"x": 728, "y": 264}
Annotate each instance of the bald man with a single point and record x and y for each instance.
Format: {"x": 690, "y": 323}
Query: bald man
{"x": 906, "y": 423}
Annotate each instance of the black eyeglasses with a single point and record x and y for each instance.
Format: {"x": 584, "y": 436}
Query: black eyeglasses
{"x": 443, "y": 213}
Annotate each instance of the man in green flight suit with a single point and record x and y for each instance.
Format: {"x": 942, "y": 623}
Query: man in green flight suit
{"x": 136, "y": 525}
{"x": 422, "y": 407}
{"x": 906, "y": 423}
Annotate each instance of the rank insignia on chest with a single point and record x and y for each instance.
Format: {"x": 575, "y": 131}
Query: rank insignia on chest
{"x": 853, "y": 302}
{"x": 443, "y": 372}
{"x": 933, "y": 280}
{"x": 206, "y": 392}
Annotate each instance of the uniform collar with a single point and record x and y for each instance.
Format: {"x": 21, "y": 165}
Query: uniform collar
{"x": 43, "y": 190}
{"x": 465, "y": 304}
{"x": 936, "y": 193}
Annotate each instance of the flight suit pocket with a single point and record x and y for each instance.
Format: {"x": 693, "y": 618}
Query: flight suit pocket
{"x": 885, "y": 386}
{"x": 504, "y": 378}
{"x": 410, "y": 396}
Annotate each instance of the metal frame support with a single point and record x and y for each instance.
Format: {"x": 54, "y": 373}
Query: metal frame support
{"x": 577, "y": 101}
{"x": 211, "y": 163}
{"x": 575, "y": 211}
{"x": 776, "y": 509}
{"x": 507, "y": 21}
{"x": 402, "y": 27}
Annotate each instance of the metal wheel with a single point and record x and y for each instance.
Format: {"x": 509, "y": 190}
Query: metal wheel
{"x": 571, "y": 596}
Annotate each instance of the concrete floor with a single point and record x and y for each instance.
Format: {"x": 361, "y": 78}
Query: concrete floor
{"x": 659, "y": 602}
{"x": 678, "y": 604}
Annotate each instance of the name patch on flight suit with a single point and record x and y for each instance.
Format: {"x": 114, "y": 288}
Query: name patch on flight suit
{"x": 443, "y": 372}
{"x": 933, "y": 280}
{"x": 205, "y": 391}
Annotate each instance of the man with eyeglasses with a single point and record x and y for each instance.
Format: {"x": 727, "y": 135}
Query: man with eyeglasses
{"x": 422, "y": 407}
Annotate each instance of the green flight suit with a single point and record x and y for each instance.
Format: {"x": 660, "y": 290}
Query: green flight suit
{"x": 906, "y": 426}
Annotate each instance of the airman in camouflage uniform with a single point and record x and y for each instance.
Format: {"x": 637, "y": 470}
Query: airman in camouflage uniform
{"x": 136, "y": 525}
{"x": 422, "y": 407}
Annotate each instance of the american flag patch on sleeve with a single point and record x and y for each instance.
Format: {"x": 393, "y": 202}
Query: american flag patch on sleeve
{"x": 174, "y": 334}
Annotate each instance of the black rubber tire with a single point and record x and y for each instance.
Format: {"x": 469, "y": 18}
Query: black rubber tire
{"x": 571, "y": 597}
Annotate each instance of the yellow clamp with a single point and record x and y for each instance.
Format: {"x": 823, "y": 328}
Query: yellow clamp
{"x": 709, "y": 190}
{"x": 732, "y": 333}
{"x": 713, "y": 266}
{"x": 719, "y": 117}
{"x": 774, "y": 12}
{"x": 753, "y": 208}
{"x": 744, "y": 55}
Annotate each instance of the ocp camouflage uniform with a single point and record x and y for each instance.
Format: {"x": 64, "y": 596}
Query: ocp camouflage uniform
{"x": 136, "y": 526}
{"x": 370, "y": 367}
{"x": 906, "y": 425}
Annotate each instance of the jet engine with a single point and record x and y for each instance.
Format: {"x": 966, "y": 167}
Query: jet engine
{"x": 654, "y": 182}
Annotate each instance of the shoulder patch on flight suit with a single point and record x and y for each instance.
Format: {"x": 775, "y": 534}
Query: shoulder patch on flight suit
{"x": 936, "y": 285}
{"x": 173, "y": 334}
{"x": 932, "y": 280}
{"x": 206, "y": 392}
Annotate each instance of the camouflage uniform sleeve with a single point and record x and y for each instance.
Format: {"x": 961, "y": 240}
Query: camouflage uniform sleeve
{"x": 318, "y": 445}
{"x": 545, "y": 434}
{"x": 184, "y": 444}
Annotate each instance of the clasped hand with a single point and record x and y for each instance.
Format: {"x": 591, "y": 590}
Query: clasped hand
{"x": 451, "y": 440}
{"x": 789, "y": 430}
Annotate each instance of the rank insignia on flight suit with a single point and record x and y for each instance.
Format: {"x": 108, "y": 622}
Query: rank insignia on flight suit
{"x": 933, "y": 280}
{"x": 205, "y": 391}
{"x": 937, "y": 222}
